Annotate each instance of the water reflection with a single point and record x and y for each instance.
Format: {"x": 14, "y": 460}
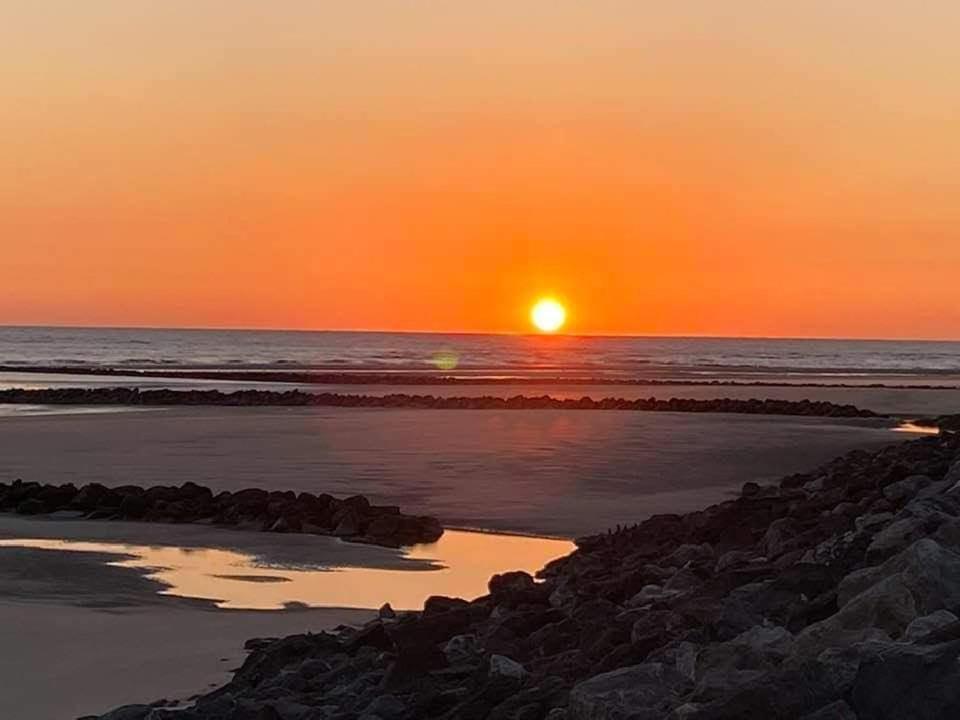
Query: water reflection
{"x": 909, "y": 427}
{"x": 460, "y": 564}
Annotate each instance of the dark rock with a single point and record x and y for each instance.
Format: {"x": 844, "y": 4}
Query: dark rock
{"x": 906, "y": 681}
{"x": 133, "y": 506}
{"x": 31, "y": 506}
{"x": 625, "y": 692}
{"x": 278, "y": 511}
{"x": 838, "y": 710}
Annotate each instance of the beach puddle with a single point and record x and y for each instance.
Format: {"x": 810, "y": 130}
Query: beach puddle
{"x": 458, "y": 565}
{"x": 909, "y": 427}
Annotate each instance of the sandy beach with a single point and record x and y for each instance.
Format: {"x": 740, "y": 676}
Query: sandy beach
{"x": 75, "y": 661}
{"x": 104, "y": 635}
{"x": 91, "y": 636}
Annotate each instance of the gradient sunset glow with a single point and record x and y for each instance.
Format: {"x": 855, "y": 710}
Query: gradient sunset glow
{"x": 749, "y": 168}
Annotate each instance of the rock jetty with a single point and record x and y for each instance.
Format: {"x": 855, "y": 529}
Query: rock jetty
{"x": 354, "y": 518}
{"x": 296, "y": 398}
{"x": 832, "y": 595}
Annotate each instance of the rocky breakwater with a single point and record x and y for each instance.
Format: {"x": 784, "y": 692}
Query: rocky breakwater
{"x": 296, "y": 398}
{"x": 830, "y": 595}
{"x": 353, "y": 518}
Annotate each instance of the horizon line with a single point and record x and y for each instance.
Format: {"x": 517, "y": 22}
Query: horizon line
{"x": 484, "y": 333}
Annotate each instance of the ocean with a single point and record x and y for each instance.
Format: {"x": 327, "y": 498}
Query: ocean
{"x": 507, "y": 356}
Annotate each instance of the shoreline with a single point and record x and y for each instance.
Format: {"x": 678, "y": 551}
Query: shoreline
{"x": 321, "y": 376}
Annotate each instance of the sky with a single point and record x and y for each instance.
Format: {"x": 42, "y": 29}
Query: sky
{"x": 694, "y": 168}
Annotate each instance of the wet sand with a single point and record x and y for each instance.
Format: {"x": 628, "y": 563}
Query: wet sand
{"x": 541, "y": 472}
{"x": 81, "y": 636}
{"x": 74, "y": 661}
{"x": 91, "y": 634}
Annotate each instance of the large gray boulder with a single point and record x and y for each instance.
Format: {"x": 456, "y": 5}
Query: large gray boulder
{"x": 904, "y": 490}
{"x": 894, "y": 538}
{"x": 906, "y": 680}
{"x": 925, "y": 625}
{"x": 886, "y": 599}
{"x": 795, "y": 689}
{"x": 837, "y": 710}
{"x": 722, "y": 664}
{"x": 626, "y": 692}
{"x": 504, "y": 667}
{"x": 931, "y": 570}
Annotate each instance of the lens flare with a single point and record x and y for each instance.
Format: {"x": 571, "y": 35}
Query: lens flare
{"x": 548, "y": 315}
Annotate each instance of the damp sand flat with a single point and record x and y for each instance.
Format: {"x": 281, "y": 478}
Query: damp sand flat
{"x": 542, "y": 472}
{"x": 97, "y": 614}
{"x": 68, "y": 661}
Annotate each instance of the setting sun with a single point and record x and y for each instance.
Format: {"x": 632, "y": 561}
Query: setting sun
{"x": 548, "y": 315}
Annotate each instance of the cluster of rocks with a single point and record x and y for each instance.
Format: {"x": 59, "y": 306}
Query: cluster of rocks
{"x": 353, "y": 518}
{"x": 296, "y": 398}
{"x": 832, "y": 595}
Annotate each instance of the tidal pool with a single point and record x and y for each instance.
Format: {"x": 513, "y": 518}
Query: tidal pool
{"x": 458, "y": 565}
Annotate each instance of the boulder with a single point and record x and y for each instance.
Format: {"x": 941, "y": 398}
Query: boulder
{"x": 691, "y": 554}
{"x": 31, "y": 506}
{"x": 513, "y": 588}
{"x": 894, "y": 538}
{"x": 504, "y": 667}
{"x": 838, "y": 710}
{"x": 886, "y": 608}
{"x": 387, "y": 707}
{"x": 348, "y": 526}
{"x": 888, "y": 598}
{"x": 929, "y": 570}
{"x": 872, "y": 522}
{"x": 735, "y": 558}
{"x": 791, "y": 691}
{"x": 926, "y": 624}
{"x": 721, "y": 667}
{"x": 776, "y": 541}
{"x": 898, "y": 680}
{"x": 624, "y": 693}
{"x": 901, "y": 491}
{"x": 386, "y": 612}
{"x": 461, "y": 649}
{"x": 650, "y": 594}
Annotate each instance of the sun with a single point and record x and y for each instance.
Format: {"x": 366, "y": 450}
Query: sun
{"x": 548, "y": 315}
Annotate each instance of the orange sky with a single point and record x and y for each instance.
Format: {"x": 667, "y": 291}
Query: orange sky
{"x": 745, "y": 168}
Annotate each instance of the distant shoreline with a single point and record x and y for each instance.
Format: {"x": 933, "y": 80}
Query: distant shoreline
{"x": 408, "y": 378}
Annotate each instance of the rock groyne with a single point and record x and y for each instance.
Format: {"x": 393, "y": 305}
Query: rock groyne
{"x": 353, "y": 518}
